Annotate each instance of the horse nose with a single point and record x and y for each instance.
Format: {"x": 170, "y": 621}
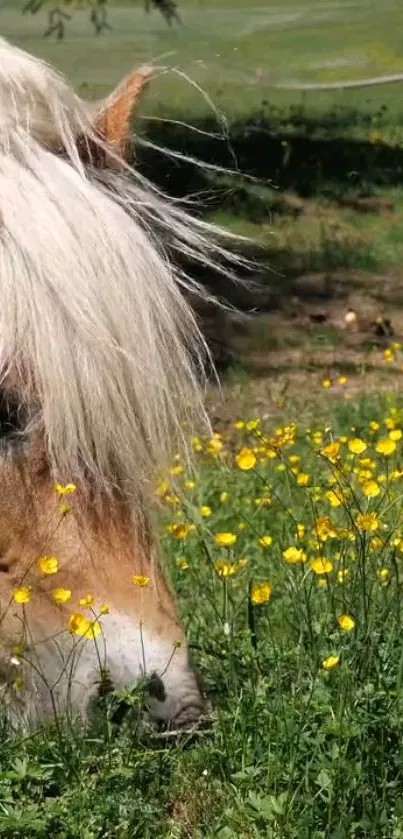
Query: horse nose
{"x": 176, "y": 705}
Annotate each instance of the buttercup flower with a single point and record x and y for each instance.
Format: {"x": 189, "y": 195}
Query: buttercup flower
{"x": 331, "y": 452}
{"x": 61, "y": 595}
{"x": 226, "y": 540}
{"x": 303, "y": 479}
{"x": 386, "y": 446}
{"x": 346, "y": 623}
{"x": 261, "y": 594}
{"x": 357, "y": 446}
{"x": 331, "y": 662}
{"x": 368, "y": 522}
{"x": 48, "y": 565}
{"x": 266, "y": 541}
{"x": 205, "y": 511}
{"x": 66, "y": 489}
{"x": 321, "y": 565}
{"x": 225, "y": 569}
{"x": 87, "y": 601}
{"x": 294, "y": 555}
{"x": 334, "y": 498}
{"x": 181, "y": 530}
{"x": 80, "y": 625}
{"x": 162, "y": 489}
{"x": 22, "y": 595}
{"x": 371, "y": 489}
{"x": 215, "y": 445}
{"x": 141, "y": 580}
{"x": 246, "y": 459}
{"x": 383, "y": 575}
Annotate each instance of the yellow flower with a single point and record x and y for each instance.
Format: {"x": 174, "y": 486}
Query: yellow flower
{"x": 225, "y": 569}
{"x": 243, "y": 563}
{"x": 342, "y": 380}
{"x": 242, "y": 526}
{"x": 395, "y": 434}
{"x": 64, "y": 509}
{"x": 205, "y": 512}
{"x": 266, "y": 541}
{"x": 265, "y": 501}
{"x": 303, "y": 479}
{"x": 253, "y": 425}
{"x": 325, "y": 529}
{"x": 357, "y": 446}
{"x": 333, "y": 498}
{"x": 22, "y": 595}
{"x": 87, "y": 601}
{"x": 225, "y": 497}
{"x": 177, "y": 470}
{"x": 104, "y": 609}
{"x": 246, "y": 459}
{"x": 215, "y": 445}
{"x": 67, "y": 489}
{"x": 197, "y": 445}
{"x": 389, "y": 356}
{"x": 327, "y": 383}
{"x": 374, "y": 426}
{"x": 261, "y": 594}
{"x": 48, "y": 565}
{"x": 301, "y": 530}
{"x": 321, "y": 565}
{"x": 140, "y": 580}
{"x": 368, "y": 522}
{"x": 61, "y": 595}
{"x": 386, "y": 446}
{"x": 190, "y": 485}
{"x": 80, "y": 625}
{"x": 343, "y": 574}
{"x": 346, "y": 623}
{"x": 239, "y": 425}
{"x": 294, "y": 555}
{"x": 182, "y": 564}
{"x": 330, "y": 662}
{"x": 181, "y": 530}
{"x": 226, "y": 540}
{"x": 383, "y": 575}
{"x": 162, "y": 489}
{"x": 371, "y": 489}
{"x": 331, "y": 452}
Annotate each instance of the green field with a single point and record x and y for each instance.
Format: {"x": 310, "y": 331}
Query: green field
{"x": 300, "y": 650}
{"x": 233, "y": 50}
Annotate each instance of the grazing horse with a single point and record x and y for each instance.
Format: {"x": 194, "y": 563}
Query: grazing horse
{"x": 101, "y": 370}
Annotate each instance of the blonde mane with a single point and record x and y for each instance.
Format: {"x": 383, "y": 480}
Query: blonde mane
{"x": 93, "y": 325}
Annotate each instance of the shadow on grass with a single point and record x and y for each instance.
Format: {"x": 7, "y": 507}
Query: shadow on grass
{"x": 290, "y": 149}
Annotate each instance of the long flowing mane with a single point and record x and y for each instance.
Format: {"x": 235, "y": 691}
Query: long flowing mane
{"x": 93, "y": 325}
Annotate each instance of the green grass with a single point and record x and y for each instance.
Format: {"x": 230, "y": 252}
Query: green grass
{"x": 225, "y": 46}
{"x": 295, "y": 751}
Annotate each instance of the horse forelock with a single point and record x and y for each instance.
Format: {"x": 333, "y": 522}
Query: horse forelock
{"x": 92, "y": 321}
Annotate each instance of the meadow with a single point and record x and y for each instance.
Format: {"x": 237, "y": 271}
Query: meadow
{"x": 284, "y": 544}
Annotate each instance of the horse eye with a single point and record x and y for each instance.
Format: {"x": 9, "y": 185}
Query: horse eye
{"x": 12, "y": 415}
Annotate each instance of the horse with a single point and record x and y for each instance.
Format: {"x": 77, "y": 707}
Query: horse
{"x": 102, "y": 378}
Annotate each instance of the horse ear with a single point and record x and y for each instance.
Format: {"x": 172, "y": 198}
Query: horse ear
{"x": 113, "y": 119}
